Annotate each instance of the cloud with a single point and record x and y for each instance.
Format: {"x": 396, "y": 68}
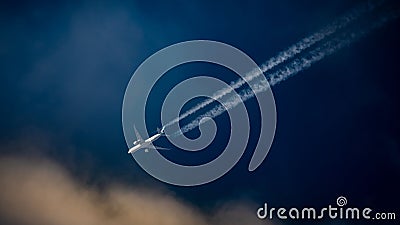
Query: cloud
{"x": 237, "y": 213}
{"x": 37, "y": 191}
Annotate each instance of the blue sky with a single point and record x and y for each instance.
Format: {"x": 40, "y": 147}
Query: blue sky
{"x": 65, "y": 66}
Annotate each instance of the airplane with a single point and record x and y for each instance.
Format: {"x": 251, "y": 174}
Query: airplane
{"x": 140, "y": 143}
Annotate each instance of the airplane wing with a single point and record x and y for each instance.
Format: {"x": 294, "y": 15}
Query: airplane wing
{"x": 138, "y": 135}
{"x": 157, "y": 148}
{"x": 161, "y": 148}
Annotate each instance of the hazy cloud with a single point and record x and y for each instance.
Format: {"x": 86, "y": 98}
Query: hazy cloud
{"x": 40, "y": 192}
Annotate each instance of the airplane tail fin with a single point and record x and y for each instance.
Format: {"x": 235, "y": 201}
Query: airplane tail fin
{"x": 161, "y": 131}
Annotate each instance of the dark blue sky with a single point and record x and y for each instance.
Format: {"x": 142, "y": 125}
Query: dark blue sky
{"x": 65, "y": 66}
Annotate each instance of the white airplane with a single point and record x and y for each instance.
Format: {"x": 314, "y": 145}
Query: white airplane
{"x": 140, "y": 143}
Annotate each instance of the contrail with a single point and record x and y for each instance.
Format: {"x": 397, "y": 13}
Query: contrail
{"x": 283, "y": 56}
{"x": 297, "y": 65}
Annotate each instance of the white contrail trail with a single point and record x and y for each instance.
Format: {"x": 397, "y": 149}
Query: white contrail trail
{"x": 293, "y": 68}
{"x": 282, "y": 74}
{"x": 284, "y": 56}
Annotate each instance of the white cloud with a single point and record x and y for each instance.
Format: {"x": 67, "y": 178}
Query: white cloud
{"x": 39, "y": 192}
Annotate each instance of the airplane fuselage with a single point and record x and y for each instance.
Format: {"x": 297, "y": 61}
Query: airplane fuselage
{"x": 145, "y": 143}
